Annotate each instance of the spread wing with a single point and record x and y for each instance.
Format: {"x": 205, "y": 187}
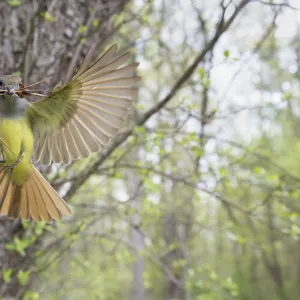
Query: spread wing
{"x": 82, "y": 116}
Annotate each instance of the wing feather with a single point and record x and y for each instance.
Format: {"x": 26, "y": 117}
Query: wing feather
{"x": 82, "y": 116}
{"x": 72, "y": 145}
{"x": 82, "y": 146}
{"x": 106, "y": 57}
{"x": 127, "y": 71}
{"x": 55, "y": 151}
{"x": 98, "y": 98}
{"x": 64, "y": 146}
{"x": 101, "y": 128}
{"x": 96, "y": 112}
{"x": 99, "y": 69}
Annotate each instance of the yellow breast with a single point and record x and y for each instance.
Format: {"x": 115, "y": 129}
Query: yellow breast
{"x": 16, "y": 137}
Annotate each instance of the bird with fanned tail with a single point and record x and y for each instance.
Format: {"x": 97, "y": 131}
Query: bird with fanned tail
{"x": 73, "y": 121}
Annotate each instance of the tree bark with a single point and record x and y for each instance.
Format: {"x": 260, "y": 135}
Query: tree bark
{"x": 39, "y": 39}
{"x": 137, "y": 241}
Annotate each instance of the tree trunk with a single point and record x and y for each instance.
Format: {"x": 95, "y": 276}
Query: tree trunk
{"x": 138, "y": 268}
{"x": 39, "y": 39}
{"x": 137, "y": 235}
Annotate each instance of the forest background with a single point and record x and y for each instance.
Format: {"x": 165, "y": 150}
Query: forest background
{"x": 198, "y": 198}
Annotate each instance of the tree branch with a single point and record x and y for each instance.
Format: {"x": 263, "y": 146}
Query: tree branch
{"x": 221, "y": 28}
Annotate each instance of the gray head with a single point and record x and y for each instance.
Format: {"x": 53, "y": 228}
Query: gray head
{"x": 10, "y": 83}
{"x": 12, "y": 103}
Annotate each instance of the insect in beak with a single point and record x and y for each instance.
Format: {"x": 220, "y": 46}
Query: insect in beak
{"x": 23, "y": 92}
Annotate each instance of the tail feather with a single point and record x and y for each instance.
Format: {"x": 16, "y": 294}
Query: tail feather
{"x": 36, "y": 199}
{"x": 49, "y": 203}
{"x": 45, "y": 213}
{"x": 24, "y": 204}
{"x": 33, "y": 206}
{"x": 59, "y": 203}
{"x": 5, "y": 192}
{"x": 14, "y": 209}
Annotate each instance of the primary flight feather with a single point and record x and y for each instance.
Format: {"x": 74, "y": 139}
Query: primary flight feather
{"x": 73, "y": 121}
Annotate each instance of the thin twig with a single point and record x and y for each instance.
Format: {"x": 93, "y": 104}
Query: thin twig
{"x": 221, "y": 28}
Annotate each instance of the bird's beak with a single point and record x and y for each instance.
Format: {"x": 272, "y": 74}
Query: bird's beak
{"x": 10, "y": 91}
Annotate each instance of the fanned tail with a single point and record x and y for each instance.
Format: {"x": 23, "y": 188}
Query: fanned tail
{"x": 36, "y": 199}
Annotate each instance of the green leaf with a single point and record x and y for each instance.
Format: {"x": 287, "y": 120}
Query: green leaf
{"x": 39, "y": 228}
{"x": 231, "y": 287}
{"x": 21, "y": 245}
{"x": 258, "y": 170}
{"x": 295, "y": 232}
{"x": 223, "y": 172}
{"x": 23, "y": 277}
{"x": 25, "y": 224}
{"x": 47, "y": 16}
{"x": 30, "y": 295}
{"x": 198, "y": 152}
{"x": 294, "y": 216}
{"x": 118, "y": 19}
{"x": 206, "y": 83}
{"x": 82, "y": 29}
{"x": 201, "y": 72}
{"x": 49, "y": 228}
{"x": 226, "y": 53}
{"x": 273, "y": 178}
{"x": 145, "y": 18}
{"x": 10, "y": 246}
{"x": 278, "y": 245}
{"x": 14, "y": 3}
{"x": 139, "y": 129}
{"x": 287, "y": 96}
{"x": 18, "y": 73}
{"x": 6, "y": 275}
{"x": 213, "y": 275}
{"x": 241, "y": 240}
{"x": 96, "y": 23}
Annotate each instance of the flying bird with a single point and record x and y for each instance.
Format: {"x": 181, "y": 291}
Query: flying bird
{"x": 73, "y": 121}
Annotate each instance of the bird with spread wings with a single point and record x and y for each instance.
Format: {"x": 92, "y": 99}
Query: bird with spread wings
{"x": 73, "y": 121}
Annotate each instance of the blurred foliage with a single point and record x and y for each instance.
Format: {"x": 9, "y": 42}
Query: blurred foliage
{"x": 210, "y": 183}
